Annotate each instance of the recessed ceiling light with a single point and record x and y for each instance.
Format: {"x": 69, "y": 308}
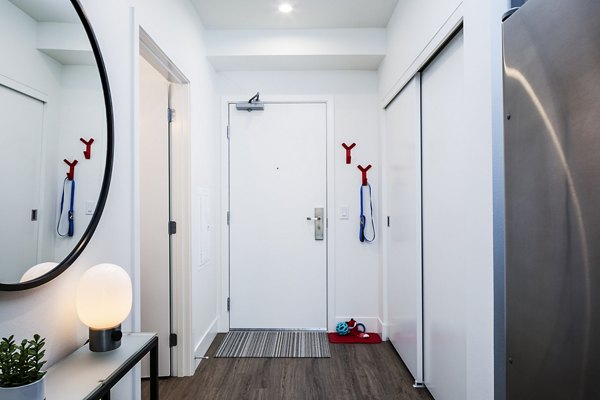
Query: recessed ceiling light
{"x": 286, "y": 8}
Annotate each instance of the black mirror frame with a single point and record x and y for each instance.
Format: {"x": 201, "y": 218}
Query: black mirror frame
{"x": 87, "y": 235}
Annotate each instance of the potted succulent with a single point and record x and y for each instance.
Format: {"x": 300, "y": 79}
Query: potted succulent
{"x": 21, "y": 375}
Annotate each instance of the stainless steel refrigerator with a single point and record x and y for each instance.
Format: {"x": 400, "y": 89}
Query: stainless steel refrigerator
{"x": 552, "y": 186}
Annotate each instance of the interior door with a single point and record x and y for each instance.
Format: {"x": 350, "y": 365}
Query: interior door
{"x": 21, "y": 127}
{"x": 446, "y": 156}
{"x": 154, "y": 212}
{"x": 403, "y": 155}
{"x": 278, "y": 264}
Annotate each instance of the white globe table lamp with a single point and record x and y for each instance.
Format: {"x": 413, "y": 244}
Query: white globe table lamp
{"x": 38, "y": 270}
{"x": 104, "y": 297}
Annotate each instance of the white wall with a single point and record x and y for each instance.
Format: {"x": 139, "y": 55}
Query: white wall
{"x": 356, "y": 120}
{"x": 50, "y": 309}
{"x": 416, "y": 30}
{"x": 19, "y": 40}
{"x": 82, "y": 115}
{"x": 296, "y": 42}
{"x": 296, "y": 49}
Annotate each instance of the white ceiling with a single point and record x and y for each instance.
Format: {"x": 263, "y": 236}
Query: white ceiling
{"x": 308, "y": 14}
{"x": 48, "y": 10}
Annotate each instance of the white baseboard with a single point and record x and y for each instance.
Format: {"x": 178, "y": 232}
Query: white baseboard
{"x": 382, "y": 328}
{"x": 371, "y": 323}
{"x": 205, "y": 342}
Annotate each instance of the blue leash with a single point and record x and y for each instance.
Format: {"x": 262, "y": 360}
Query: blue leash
{"x": 70, "y": 215}
{"x": 363, "y": 220}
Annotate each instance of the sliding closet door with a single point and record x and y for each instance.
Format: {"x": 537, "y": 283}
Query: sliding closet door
{"x": 403, "y": 156}
{"x": 446, "y": 248}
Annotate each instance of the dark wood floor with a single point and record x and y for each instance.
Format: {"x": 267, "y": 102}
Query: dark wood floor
{"x": 354, "y": 371}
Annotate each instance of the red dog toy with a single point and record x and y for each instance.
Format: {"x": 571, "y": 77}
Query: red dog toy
{"x": 357, "y": 329}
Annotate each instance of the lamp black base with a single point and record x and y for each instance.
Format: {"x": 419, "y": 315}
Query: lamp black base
{"x": 105, "y": 339}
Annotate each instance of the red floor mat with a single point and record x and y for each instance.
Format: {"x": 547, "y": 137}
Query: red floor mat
{"x": 335, "y": 338}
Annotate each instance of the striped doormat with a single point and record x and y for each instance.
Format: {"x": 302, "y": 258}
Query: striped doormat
{"x": 274, "y": 344}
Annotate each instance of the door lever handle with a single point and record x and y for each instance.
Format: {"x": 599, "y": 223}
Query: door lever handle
{"x": 319, "y": 220}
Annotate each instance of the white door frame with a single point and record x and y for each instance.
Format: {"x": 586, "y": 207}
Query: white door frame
{"x": 330, "y": 203}
{"x": 183, "y": 363}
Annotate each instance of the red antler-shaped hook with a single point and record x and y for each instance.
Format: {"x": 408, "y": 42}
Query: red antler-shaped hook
{"x": 364, "y": 173}
{"x": 88, "y": 147}
{"x": 348, "y": 152}
{"x": 71, "y": 173}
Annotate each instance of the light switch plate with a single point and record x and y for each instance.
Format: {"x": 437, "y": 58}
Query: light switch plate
{"x": 344, "y": 212}
{"x": 90, "y": 207}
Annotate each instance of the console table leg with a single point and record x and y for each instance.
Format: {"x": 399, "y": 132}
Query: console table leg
{"x": 154, "y": 373}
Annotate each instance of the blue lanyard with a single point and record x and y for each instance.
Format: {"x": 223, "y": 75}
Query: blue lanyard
{"x": 70, "y": 215}
{"x": 363, "y": 220}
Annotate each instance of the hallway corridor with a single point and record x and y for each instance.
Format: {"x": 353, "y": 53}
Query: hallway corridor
{"x": 354, "y": 372}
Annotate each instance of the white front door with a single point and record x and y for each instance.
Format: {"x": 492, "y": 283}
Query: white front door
{"x": 278, "y": 268}
{"x": 21, "y": 126}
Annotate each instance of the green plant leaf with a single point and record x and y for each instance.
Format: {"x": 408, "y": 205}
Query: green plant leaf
{"x": 21, "y": 364}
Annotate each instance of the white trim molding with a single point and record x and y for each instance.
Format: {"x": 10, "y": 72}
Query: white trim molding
{"x": 23, "y": 89}
{"x": 204, "y": 343}
{"x": 382, "y": 329}
{"x": 183, "y": 363}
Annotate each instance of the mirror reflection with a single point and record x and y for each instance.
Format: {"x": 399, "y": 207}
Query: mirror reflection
{"x": 52, "y": 114}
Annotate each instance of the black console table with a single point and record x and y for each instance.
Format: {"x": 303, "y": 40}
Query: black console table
{"x": 84, "y": 375}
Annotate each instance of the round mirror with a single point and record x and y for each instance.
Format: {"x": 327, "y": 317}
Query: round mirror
{"x": 56, "y": 139}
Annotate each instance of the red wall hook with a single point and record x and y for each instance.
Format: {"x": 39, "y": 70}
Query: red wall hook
{"x": 364, "y": 170}
{"x": 88, "y": 147}
{"x": 348, "y": 152}
{"x": 71, "y": 173}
